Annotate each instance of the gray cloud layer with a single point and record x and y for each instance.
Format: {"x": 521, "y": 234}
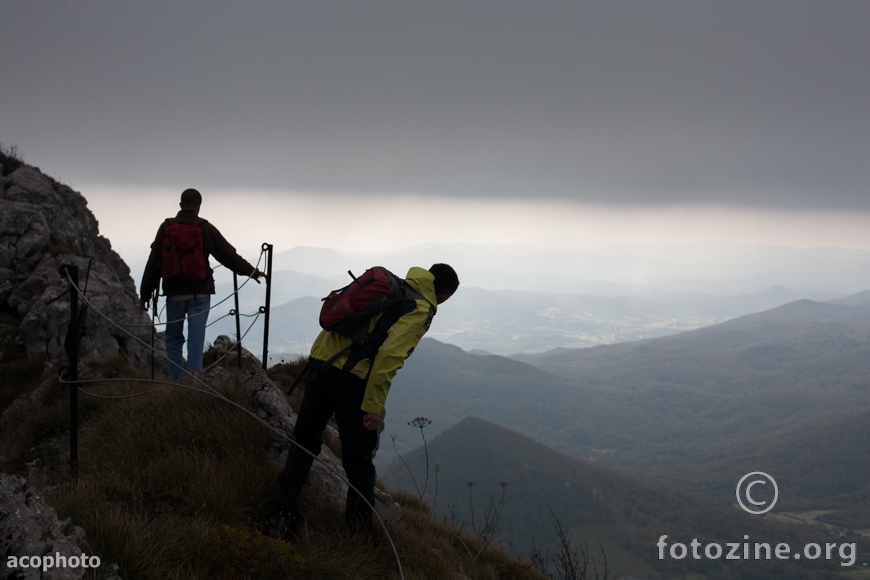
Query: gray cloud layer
{"x": 738, "y": 102}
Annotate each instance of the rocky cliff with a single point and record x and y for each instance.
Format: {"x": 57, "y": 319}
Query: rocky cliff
{"x": 43, "y": 226}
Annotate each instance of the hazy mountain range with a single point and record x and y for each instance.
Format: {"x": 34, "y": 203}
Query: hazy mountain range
{"x": 661, "y": 397}
{"x": 784, "y": 391}
{"x": 517, "y": 299}
{"x": 655, "y": 435}
{"x": 509, "y": 322}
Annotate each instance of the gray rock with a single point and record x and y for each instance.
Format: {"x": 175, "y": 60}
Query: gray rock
{"x": 389, "y": 510}
{"x": 44, "y": 226}
{"x": 29, "y": 185}
{"x": 29, "y": 527}
{"x": 24, "y": 236}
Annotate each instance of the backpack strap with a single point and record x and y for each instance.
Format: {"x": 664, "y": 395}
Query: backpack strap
{"x": 310, "y": 375}
{"x": 197, "y": 222}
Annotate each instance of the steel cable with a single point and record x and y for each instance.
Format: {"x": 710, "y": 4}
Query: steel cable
{"x": 165, "y": 383}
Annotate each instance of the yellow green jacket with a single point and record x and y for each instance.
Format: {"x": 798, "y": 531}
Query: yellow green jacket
{"x": 402, "y": 339}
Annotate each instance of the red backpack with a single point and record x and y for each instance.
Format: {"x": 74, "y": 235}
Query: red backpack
{"x": 183, "y": 256}
{"x": 348, "y": 310}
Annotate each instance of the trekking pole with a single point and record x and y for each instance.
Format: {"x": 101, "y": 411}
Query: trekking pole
{"x": 268, "y": 249}
{"x": 238, "y": 324}
{"x": 153, "y": 329}
{"x": 72, "y": 356}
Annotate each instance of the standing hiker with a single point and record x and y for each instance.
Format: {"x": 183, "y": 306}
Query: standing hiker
{"x": 354, "y": 385}
{"x": 179, "y": 256}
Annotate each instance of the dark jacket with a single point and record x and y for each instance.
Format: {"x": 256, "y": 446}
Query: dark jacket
{"x": 213, "y": 243}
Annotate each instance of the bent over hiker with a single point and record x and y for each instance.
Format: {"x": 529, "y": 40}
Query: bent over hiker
{"x": 179, "y": 256}
{"x": 353, "y": 382}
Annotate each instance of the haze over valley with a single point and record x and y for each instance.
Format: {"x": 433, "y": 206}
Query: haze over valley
{"x": 519, "y": 300}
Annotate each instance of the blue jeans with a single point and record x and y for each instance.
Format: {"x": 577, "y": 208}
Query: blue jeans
{"x": 176, "y": 312}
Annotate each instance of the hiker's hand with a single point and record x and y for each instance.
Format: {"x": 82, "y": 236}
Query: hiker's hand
{"x": 143, "y": 304}
{"x": 371, "y": 421}
{"x": 257, "y": 275}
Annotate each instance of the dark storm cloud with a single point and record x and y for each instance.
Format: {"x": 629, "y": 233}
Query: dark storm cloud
{"x": 758, "y": 103}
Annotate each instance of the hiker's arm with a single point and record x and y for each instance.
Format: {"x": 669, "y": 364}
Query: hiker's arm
{"x": 401, "y": 340}
{"x": 226, "y": 254}
{"x": 151, "y": 275}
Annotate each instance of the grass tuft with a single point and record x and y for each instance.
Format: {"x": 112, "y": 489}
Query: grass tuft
{"x": 11, "y": 158}
{"x": 238, "y": 553}
{"x": 284, "y": 373}
{"x": 114, "y": 366}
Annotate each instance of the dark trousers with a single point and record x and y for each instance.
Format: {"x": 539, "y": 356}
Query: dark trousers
{"x": 339, "y": 392}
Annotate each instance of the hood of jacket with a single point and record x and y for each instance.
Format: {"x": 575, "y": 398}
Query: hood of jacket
{"x": 423, "y": 282}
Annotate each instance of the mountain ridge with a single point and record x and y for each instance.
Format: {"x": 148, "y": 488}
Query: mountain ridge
{"x": 475, "y": 458}
{"x": 659, "y": 405}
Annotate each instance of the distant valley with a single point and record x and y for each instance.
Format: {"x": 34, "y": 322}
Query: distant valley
{"x": 502, "y": 321}
{"x": 521, "y": 300}
{"x": 784, "y": 390}
{"x": 478, "y": 460}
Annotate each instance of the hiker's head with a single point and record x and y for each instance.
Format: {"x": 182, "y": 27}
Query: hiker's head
{"x": 190, "y": 199}
{"x": 446, "y": 281}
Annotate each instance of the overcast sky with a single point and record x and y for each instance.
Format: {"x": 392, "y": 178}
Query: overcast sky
{"x": 759, "y": 110}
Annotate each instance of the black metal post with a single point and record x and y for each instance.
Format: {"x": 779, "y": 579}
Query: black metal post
{"x": 238, "y": 323}
{"x": 268, "y": 248}
{"x": 72, "y": 356}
